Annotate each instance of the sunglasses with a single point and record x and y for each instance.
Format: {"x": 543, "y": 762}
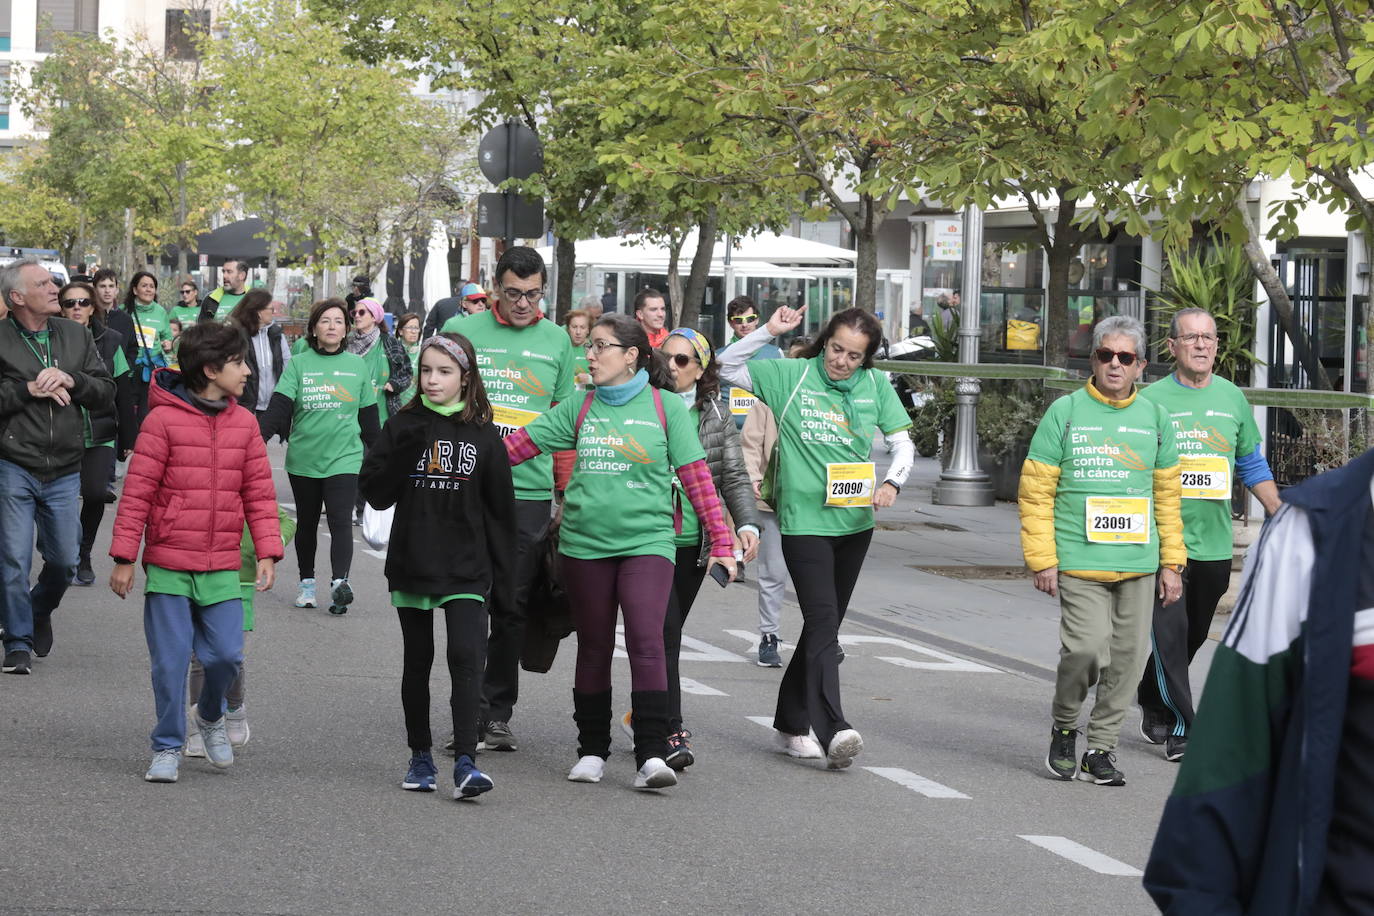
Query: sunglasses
{"x": 1105, "y": 355}
{"x": 358, "y": 313}
{"x": 741, "y": 319}
{"x": 682, "y": 360}
{"x": 77, "y": 303}
{"x": 188, "y": 292}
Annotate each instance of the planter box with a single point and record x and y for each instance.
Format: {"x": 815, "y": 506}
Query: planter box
{"x": 1004, "y": 473}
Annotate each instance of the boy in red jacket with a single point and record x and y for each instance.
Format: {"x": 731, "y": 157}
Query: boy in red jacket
{"x": 199, "y": 471}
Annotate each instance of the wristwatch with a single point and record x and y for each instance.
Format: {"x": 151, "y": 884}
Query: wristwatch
{"x": 894, "y": 484}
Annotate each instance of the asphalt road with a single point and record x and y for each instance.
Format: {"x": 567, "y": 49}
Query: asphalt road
{"x": 934, "y": 817}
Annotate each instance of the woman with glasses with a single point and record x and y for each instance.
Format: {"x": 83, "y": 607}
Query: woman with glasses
{"x": 268, "y": 353}
{"x": 408, "y": 333}
{"x": 386, "y": 358}
{"x": 327, "y": 402}
{"x": 103, "y": 429}
{"x": 187, "y": 308}
{"x": 616, "y": 540}
{"x": 696, "y": 381}
{"x": 150, "y": 333}
{"x": 827, "y": 405}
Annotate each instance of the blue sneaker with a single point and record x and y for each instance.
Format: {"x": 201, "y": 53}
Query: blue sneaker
{"x": 420, "y": 776}
{"x": 468, "y": 781}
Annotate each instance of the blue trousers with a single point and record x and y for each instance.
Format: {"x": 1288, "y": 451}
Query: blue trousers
{"x": 175, "y": 627}
{"x": 52, "y": 508}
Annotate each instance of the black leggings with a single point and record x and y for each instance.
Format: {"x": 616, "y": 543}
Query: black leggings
{"x": 687, "y": 577}
{"x": 824, "y": 571}
{"x": 335, "y": 494}
{"x": 466, "y": 621}
{"x": 97, "y": 468}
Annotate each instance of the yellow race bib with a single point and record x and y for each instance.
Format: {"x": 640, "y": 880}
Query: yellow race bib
{"x": 850, "y": 485}
{"x": 509, "y": 419}
{"x": 1205, "y": 476}
{"x": 1118, "y": 520}
{"x": 740, "y": 402}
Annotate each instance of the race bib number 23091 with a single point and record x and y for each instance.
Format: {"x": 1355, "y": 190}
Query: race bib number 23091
{"x": 1118, "y": 520}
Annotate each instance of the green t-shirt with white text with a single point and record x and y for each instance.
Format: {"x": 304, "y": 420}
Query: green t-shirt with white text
{"x": 152, "y": 325}
{"x": 186, "y": 314}
{"x": 226, "y": 304}
{"x": 619, "y": 502}
{"x": 815, "y": 429}
{"x": 525, "y": 372}
{"x": 1212, "y": 426}
{"x": 327, "y": 392}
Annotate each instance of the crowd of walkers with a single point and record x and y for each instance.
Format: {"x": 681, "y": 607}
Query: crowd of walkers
{"x": 652, "y": 461}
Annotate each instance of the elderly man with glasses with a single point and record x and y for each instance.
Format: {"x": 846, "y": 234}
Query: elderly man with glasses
{"x": 526, "y": 367}
{"x": 1217, "y": 441}
{"x": 1100, "y": 523}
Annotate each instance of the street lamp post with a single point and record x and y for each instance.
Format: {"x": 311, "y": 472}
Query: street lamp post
{"x": 964, "y": 483}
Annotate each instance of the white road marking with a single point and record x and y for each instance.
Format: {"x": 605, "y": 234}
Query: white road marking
{"x": 944, "y": 661}
{"x": 927, "y": 787}
{"x": 700, "y": 689}
{"x": 1088, "y": 858}
{"x": 379, "y": 554}
{"x": 693, "y": 649}
{"x": 765, "y": 721}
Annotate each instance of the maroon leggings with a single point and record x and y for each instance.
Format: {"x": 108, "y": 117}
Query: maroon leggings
{"x": 639, "y": 586}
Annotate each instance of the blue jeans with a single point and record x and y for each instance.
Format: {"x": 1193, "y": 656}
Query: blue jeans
{"x": 54, "y": 509}
{"x": 174, "y": 627}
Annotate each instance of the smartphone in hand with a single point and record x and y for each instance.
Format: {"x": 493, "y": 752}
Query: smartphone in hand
{"x": 721, "y": 575}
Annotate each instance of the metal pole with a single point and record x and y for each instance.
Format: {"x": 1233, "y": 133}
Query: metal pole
{"x": 510, "y": 170}
{"x": 728, "y": 281}
{"x": 964, "y": 483}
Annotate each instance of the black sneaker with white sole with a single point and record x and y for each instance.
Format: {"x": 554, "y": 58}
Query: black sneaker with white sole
{"x": 1154, "y": 725}
{"x": 1099, "y": 767}
{"x": 1174, "y": 746}
{"x": 498, "y": 737}
{"x": 1062, "y": 759}
{"x": 17, "y": 662}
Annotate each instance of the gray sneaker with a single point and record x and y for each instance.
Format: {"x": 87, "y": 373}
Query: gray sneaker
{"x": 216, "y": 738}
{"x": 165, "y": 764}
{"x": 195, "y": 745}
{"x": 768, "y": 652}
{"x": 498, "y": 737}
{"x": 236, "y": 726}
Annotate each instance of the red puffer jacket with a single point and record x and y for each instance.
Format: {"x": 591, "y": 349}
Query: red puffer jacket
{"x": 192, "y": 481}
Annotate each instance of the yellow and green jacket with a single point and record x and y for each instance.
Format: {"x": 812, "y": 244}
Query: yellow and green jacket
{"x": 1100, "y": 493}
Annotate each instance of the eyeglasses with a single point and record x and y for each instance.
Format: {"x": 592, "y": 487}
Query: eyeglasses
{"x": 1189, "y": 339}
{"x": 743, "y": 319}
{"x": 77, "y": 303}
{"x": 682, "y": 360}
{"x": 1105, "y": 355}
{"x": 188, "y": 292}
{"x": 532, "y": 296}
{"x": 600, "y": 345}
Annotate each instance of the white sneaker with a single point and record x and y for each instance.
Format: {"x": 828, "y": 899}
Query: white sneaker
{"x": 655, "y": 774}
{"x": 306, "y": 598}
{"x": 195, "y": 744}
{"x": 588, "y": 769}
{"x": 236, "y": 725}
{"x": 803, "y": 747}
{"x": 844, "y": 747}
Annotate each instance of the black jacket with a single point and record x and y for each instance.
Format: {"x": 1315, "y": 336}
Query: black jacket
{"x": 41, "y": 436}
{"x": 454, "y": 529}
{"x": 250, "y": 387}
{"x": 438, "y": 316}
{"x": 118, "y": 423}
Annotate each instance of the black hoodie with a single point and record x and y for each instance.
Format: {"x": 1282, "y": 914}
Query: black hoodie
{"x": 454, "y": 530}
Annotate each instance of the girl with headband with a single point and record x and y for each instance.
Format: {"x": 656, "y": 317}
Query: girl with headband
{"x": 441, "y": 463}
{"x": 696, "y": 381}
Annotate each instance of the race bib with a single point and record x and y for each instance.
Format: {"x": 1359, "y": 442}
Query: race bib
{"x": 1118, "y": 520}
{"x": 850, "y": 485}
{"x": 508, "y": 419}
{"x": 1205, "y": 476}
{"x": 740, "y": 402}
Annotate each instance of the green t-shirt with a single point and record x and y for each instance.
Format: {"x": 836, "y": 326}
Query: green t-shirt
{"x": 414, "y": 354}
{"x": 429, "y": 602}
{"x": 379, "y": 370}
{"x": 691, "y": 525}
{"x": 817, "y": 429}
{"x": 1212, "y": 425}
{"x": 582, "y": 372}
{"x": 121, "y": 368}
{"x": 525, "y": 371}
{"x": 186, "y": 314}
{"x": 327, "y": 393}
{"x": 203, "y": 588}
{"x": 226, "y": 304}
{"x": 619, "y": 502}
{"x": 151, "y": 328}
{"x": 301, "y": 345}
{"x": 1104, "y": 506}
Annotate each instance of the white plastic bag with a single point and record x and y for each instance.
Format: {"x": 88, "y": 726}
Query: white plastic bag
{"x": 377, "y": 526}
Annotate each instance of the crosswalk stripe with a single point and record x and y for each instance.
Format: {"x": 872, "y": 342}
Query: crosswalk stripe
{"x": 700, "y": 689}
{"x": 927, "y": 787}
{"x": 1082, "y": 855}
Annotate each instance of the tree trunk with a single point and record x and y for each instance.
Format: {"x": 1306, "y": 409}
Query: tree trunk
{"x": 865, "y": 256}
{"x": 565, "y": 255}
{"x": 272, "y": 266}
{"x": 695, "y": 294}
{"x": 317, "y": 274}
{"x": 127, "y": 255}
{"x": 1056, "y": 336}
{"x": 675, "y": 243}
{"x": 1282, "y": 305}
{"x": 183, "y": 213}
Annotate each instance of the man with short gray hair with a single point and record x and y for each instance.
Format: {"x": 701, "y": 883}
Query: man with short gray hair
{"x": 1217, "y": 441}
{"x": 49, "y": 370}
{"x": 1100, "y": 524}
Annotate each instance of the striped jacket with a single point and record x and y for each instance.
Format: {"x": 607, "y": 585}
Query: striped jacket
{"x": 1245, "y": 830}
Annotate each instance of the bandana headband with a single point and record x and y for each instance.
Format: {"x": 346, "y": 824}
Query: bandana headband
{"x": 449, "y": 347}
{"x": 698, "y": 343}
